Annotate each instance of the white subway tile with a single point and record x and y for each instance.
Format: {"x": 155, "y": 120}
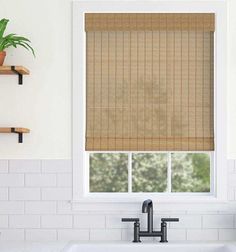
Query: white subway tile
{"x": 218, "y": 221}
{"x": 64, "y": 207}
{"x": 89, "y": 221}
{"x": 105, "y": 235}
{"x": 202, "y": 235}
{"x": 3, "y": 166}
{"x": 40, "y": 180}
{"x": 73, "y": 234}
{"x": 56, "y": 166}
{"x": 231, "y": 193}
{"x": 41, "y": 235}
{"x": 114, "y": 221}
{"x": 11, "y": 234}
{"x": 24, "y": 221}
{"x": 176, "y": 235}
{"x": 3, "y": 193}
{"x": 231, "y": 166}
{"x": 56, "y": 221}
{"x": 234, "y": 220}
{"x": 40, "y": 207}
{"x": 94, "y": 225}
{"x": 187, "y": 221}
{"x": 127, "y": 234}
{"x": 232, "y": 179}
{"x": 3, "y": 221}
{"x": 56, "y": 193}
{"x": 64, "y": 180}
{"x": 201, "y": 212}
{"x": 234, "y": 163}
{"x": 24, "y": 166}
{"x": 11, "y": 180}
{"x": 227, "y": 234}
{"x": 24, "y": 194}
{"x": 11, "y": 207}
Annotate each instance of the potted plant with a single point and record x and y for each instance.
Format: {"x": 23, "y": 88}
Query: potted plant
{"x": 11, "y": 40}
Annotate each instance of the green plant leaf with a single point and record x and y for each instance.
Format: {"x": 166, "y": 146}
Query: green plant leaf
{"x": 13, "y": 39}
{"x": 3, "y": 25}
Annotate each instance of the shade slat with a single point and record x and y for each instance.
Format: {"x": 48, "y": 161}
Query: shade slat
{"x": 149, "y": 21}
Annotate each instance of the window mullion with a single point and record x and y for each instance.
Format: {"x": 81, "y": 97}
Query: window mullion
{"x": 169, "y": 172}
{"x": 130, "y": 172}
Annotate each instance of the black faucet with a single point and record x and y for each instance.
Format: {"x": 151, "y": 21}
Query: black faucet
{"x": 148, "y": 208}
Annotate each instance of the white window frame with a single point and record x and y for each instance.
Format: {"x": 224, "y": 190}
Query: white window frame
{"x": 80, "y": 169}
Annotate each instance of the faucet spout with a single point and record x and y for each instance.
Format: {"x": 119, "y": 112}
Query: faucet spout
{"x": 148, "y": 208}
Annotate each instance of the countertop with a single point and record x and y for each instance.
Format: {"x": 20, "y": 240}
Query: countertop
{"x": 16, "y": 246}
{"x": 58, "y": 246}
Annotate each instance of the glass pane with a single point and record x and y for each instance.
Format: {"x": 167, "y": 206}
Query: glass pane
{"x": 149, "y": 172}
{"x": 108, "y": 172}
{"x": 190, "y": 172}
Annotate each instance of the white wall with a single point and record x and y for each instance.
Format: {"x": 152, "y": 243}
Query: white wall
{"x": 43, "y": 103}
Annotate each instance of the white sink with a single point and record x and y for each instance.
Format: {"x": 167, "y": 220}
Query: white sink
{"x": 149, "y": 247}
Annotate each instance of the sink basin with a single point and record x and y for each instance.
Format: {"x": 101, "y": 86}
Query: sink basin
{"x": 150, "y": 247}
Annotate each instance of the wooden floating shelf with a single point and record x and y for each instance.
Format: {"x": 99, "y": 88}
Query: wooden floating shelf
{"x": 19, "y": 131}
{"x": 19, "y": 70}
{"x": 8, "y": 70}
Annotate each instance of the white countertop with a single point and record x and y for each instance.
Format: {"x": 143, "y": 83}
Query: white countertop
{"x": 16, "y": 246}
{"x": 57, "y": 246}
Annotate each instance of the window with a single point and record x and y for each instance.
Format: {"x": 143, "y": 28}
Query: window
{"x": 203, "y": 139}
{"x": 150, "y": 172}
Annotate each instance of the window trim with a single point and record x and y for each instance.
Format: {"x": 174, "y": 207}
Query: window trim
{"x": 78, "y": 96}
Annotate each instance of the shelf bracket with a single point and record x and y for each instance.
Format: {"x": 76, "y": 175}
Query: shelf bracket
{"x": 20, "y": 76}
{"x": 20, "y": 135}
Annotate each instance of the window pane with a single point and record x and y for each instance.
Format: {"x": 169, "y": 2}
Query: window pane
{"x": 190, "y": 172}
{"x": 108, "y": 172}
{"x": 149, "y": 172}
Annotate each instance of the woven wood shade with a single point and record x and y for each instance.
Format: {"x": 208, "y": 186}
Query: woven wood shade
{"x": 149, "y": 90}
{"x": 149, "y": 21}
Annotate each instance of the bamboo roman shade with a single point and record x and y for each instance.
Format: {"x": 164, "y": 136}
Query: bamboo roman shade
{"x": 149, "y": 82}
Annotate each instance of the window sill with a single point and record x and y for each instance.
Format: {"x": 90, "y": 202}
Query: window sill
{"x": 119, "y": 202}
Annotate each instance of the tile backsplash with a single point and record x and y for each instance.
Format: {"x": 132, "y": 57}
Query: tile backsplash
{"x": 35, "y": 206}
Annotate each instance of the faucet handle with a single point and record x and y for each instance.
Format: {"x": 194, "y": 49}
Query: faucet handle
{"x": 130, "y": 220}
{"x": 136, "y": 227}
{"x": 169, "y": 219}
